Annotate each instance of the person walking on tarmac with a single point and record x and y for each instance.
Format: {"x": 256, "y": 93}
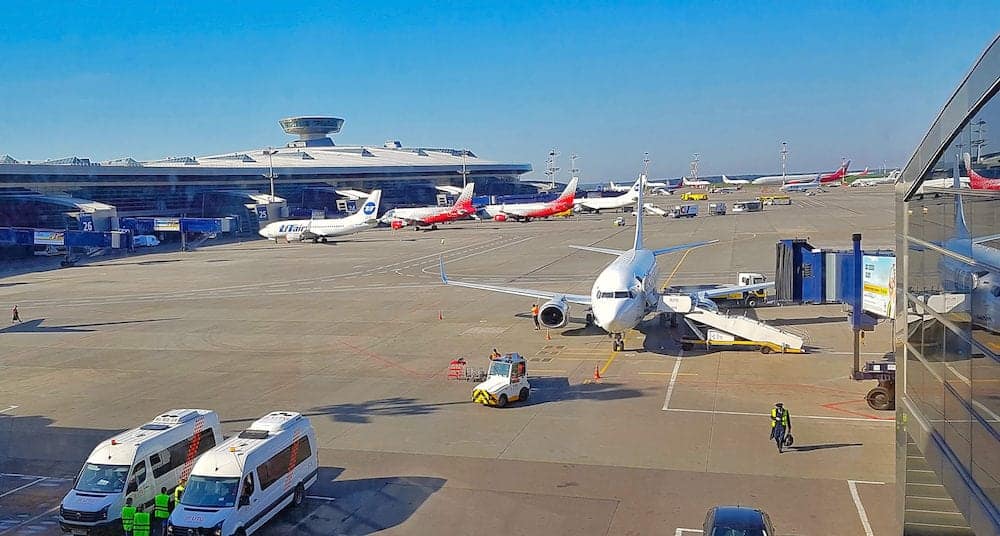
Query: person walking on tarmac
{"x": 161, "y": 509}
{"x": 128, "y": 517}
{"x": 534, "y": 315}
{"x": 781, "y": 425}
{"x": 16, "y": 317}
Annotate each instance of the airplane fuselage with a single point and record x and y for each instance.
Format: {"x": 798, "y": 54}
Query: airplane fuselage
{"x": 426, "y": 215}
{"x": 530, "y": 210}
{"x": 309, "y": 228}
{"x": 624, "y": 291}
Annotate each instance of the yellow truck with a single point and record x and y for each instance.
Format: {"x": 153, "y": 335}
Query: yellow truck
{"x": 694, "y": 196}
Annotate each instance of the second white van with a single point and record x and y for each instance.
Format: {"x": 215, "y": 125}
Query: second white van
{"x": 246, "y": 480}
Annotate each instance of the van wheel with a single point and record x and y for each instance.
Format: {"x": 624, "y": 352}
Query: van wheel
{"x": 523, "y": 395}
{"x": 765, "y": 350}
{"x": 502, "y": 401}
{"x": 299, "y": 496}
{"x": 751, "y": 302}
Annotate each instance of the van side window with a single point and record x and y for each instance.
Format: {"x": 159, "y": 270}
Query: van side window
{"x": 139, "y": 473}
{"x": 248, "y": 485}
{"x": 175, "y": 455}
{"x": 281, "y": 463}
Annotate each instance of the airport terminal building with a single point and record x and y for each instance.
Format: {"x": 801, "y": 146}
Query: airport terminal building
{"x": 948, "y": 318}
{"x": 307, "y": 174}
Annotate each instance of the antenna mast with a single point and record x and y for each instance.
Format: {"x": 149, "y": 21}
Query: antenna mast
{"x": 784, "y": 159}
{"x": 550, "y": 167}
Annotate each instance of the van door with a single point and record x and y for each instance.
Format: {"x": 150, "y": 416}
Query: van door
{"x": 139, "y": 486}
{"x": 249, "y": 501}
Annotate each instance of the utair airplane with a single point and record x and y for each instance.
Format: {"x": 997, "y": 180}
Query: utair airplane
{"x": 529, "y": 211}
{"x": 431, "y": 216}
{"x": 597, "y": 204}
{"x": 738, "y": 182}
{"x": 321, "y": 230}
{"x": 623, "y": 293}
{"x": 695, "y": 183}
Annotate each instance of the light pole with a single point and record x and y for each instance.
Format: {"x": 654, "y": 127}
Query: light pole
{"x": 270, "y": 168}
{"x": 694, "y": 167}
{"x": 550, "y": 168}
{"x": 784, "y": 159}
{"x": 465, "y": 174}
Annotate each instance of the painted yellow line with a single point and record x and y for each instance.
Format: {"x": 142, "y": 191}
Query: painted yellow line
{"x": 611, "y": 358}
{"x": 669, "y": 277}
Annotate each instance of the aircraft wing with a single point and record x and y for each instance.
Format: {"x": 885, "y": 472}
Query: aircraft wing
{"x": 722, "y": 291}
{"x": 984, "y": 239}
{"x": 681, "y": 247}
{"x": 607, "y": 251}
{"x": 543, "y": 294}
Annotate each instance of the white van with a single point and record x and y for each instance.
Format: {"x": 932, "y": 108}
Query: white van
{"x": 136, "y": 464}
{"x": 242, "y": 483}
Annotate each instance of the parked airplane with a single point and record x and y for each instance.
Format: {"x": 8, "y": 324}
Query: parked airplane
{"x": 621, "y": 296}
{"x": 891, "y": 178}
{"x": 782, "y": 179}
{"x": 530, "y": 211}
{"x": 859, "y": 174}
{"x": 453, "y": 190}
{"x": 597, "y": 204}
{"x": 826, "y": 178}
{"x": 649, "y": 184}
{"x": 695, "y": 183}
{"x": 801, "y": 186}
{"x": 727, "y": 180}
{"x": 977, "y": 181}
{"x": 431, "y": 216}
{"x": 321, "y": 229}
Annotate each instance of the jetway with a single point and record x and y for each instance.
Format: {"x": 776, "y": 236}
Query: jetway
{"x": 202, "y": 228}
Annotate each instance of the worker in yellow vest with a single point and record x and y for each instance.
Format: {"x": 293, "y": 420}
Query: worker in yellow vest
{"x": 161, "y": 509}
{"x": 128, "y": 516}
{"x": 141, "y": 525}
{"x": 179, "y": 490}
{"x": 781, "y": 426}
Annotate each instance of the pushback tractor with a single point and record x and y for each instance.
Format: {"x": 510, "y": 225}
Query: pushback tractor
{"x": 506, "y": 381}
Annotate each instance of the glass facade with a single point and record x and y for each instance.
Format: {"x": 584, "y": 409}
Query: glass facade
{"x": 948, "y": 323}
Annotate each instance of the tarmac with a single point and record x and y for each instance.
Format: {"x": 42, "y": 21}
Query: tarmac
{"x": 358, "y": 335}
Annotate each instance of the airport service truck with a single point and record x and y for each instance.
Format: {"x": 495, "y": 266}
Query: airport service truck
{"x": 506, "y": 381}
{"x": 683, "y": 211}
{"x": 745, "y": 298}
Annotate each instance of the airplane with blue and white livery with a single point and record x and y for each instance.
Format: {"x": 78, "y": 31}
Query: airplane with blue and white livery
{"x": 319, "y": 230}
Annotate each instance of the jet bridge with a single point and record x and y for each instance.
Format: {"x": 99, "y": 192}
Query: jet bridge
{"x": 727, "y": 330}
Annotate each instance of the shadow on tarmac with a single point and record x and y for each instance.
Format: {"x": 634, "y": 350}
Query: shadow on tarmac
{"x": 34, "y": 326}
{"x": 31, "y": 445}
{"x": 559, "y": 389}
{"x": 824, "y": 446}
{"x": 363, "y": 412}
{"x": 358, "y": 507}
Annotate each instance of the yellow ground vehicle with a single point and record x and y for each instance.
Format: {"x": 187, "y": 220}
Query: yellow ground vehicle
{"x": 694, "y": 196}
{"x": 775, "y": 199}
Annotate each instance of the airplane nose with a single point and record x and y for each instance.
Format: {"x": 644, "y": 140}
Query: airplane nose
{"x": 263, "y": 232}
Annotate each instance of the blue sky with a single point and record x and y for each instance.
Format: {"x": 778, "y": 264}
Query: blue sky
{"x": 509, "y": 80}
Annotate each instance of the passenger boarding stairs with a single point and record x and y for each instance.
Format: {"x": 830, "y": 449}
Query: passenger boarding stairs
{"x": 744, "y": 328}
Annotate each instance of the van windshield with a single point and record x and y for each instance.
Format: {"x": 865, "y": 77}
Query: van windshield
{"x": 210, "y": 492}
{"x": 100, "y": 478}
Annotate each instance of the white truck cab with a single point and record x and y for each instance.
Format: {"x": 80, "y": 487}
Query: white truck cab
{"x": 506, "y": 381}
{"x": 245, "y": 481}
{"x": 136, "y": 464}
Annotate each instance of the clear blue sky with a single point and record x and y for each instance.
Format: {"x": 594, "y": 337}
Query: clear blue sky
{"x": 507, "y": 79}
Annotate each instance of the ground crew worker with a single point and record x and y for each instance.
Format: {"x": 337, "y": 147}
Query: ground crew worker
{"x": 534, "y": 315}
{"x": 14, "y": 315}
{"x": 179, "y": 490}
{"x": 161, "y": 509}
{"x": 128, "y": 516}
{"x": 495, "y": 355}
{"x": 141, "y": 524}
{"x": 781, "y": 424}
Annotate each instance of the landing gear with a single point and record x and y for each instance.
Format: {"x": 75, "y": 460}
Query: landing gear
{"x": 434, "y": 227}
{"x": 323, "y": 240}
{"x": 315, "y": 240}
{"x": 590, "y": 319}
{"x": 617, "y": 345}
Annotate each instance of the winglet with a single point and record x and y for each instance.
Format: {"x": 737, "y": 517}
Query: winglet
{"x": 444, "y": 277}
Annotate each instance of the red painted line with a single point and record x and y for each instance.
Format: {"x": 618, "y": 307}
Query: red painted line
{"x": 835, "y": 406}
{"x": 387, "y": 362}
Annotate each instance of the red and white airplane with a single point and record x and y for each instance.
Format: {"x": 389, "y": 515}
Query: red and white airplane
{"x": 431, "y": 216}
{"x": 977, "y": 181}
{"x": 827, "y": 178}
{"x": 530, "y": 211}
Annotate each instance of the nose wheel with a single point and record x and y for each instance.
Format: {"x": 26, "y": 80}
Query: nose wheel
{"x": 617, "y": 345}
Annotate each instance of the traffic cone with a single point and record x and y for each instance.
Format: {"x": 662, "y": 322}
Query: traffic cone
{"x": 547, "y": 336}
{"x": 597, "y": 373}
{"x": 440, "y": 316}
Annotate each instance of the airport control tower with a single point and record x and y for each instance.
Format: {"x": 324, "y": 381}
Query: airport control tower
{"x": 313, "y": 131}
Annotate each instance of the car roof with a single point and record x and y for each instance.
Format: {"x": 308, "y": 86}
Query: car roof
{"x": 739, "y": 517}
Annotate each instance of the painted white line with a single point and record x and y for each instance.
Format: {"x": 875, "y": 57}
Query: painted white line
{"x": 680, "y": 532}
{"x": 673, "y": 381}
{"x": 17, "y": 489}
{"x": 8, "y": 408}
{"x": 852, "y": 484}
{"x": 817, "y": 417}
{"x": 29, "y": 521}
{"x": 321, "y": 498}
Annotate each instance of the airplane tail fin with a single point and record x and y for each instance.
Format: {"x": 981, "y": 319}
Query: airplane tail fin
{"x": 725, "y": 179}
{"x": 569, "y": 193}
{"x": 369, "y": 210}
{"x": 976, "y": 181}
{"x": 464, "y": 200}
{"x": 638, "y": 205}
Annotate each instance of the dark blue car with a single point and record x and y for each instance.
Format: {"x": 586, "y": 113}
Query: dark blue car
{"x": 737, "y": 521}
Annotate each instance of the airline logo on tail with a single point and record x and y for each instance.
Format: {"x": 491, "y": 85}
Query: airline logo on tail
{"x": 836, "y": 175}
{"x": 977, "y": 181}
{"x": 369, "y": 211}
{"x": 464, "y": 201}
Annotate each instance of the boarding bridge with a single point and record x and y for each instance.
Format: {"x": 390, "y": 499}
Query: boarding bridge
{"x": 727, "y": 328}
{"x": 653, "y": 209}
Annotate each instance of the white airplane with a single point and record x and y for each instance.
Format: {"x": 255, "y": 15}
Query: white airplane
{"x": 649, "y": 184}
{"x": 781, "y": 179}
{"x": 431, "y": 216}
{"x": 322, "y": 229}
{"x": 453, "y": 190}
{"x": 802, "y": 186}
{"x": 727, "y": 180}
{"x": 889, "y": 179}
{"x": 623, "y": 294}
{"x": 597, "y": 204}
{"x": 695, "y": 183}
{"x": 352, "y": 194}
{"x": 529, "y": 211}
{"x": 859, "y": 173}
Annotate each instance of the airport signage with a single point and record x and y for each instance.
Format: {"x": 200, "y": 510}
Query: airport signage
{"x": 167, "y": 224}
{"x": 878, "y": 276}
{"x": 262, "y": 212}
{"x": 53, "y": 238}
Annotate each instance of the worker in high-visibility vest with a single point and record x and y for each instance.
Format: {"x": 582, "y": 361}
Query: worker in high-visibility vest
{"x": 141, "y": 524}
{"x": 128, "y": 516}
{"x": 161, "y": 509}
{"x": 534, "y": 315}
{"x": 179, "y": 490}
{"x": 781, "y": 424}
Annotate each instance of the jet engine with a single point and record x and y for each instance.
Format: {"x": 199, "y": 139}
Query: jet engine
{"x": 500, "y": 217}
{"x": 553, "y": 314}
{"x": 397, "y": 224}
{"x": 293, "y": 237}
